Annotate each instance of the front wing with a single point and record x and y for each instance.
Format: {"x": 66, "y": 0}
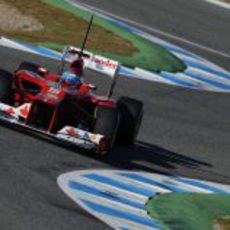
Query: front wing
{"x": 70, "y": 135}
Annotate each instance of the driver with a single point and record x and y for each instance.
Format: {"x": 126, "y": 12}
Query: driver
{"x": 72, "y": 78}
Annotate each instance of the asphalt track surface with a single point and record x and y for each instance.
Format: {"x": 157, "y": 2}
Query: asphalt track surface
{"x": 184, "y": 132}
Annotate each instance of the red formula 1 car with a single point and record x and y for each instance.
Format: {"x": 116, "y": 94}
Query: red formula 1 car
{"x": 35, "y": 99}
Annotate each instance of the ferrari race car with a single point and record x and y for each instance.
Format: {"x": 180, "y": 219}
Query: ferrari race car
{"x": 37, "y": 100}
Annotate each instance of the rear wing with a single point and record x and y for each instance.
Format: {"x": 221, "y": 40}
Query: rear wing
{"x": 93, "y": 62}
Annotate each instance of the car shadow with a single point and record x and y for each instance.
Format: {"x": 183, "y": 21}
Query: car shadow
{"x": 142, "y": 156}
{"x": 139, "y": 156}
{"x": 147, "y": 157}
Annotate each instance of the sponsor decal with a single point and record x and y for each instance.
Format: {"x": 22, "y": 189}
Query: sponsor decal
{"x": 70, "y": 131}
{"x": 24, "y": 110}
{"x": 105, "y": 62}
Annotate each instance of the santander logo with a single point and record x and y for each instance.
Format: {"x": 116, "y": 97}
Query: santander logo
{"x": 106, "y": 63}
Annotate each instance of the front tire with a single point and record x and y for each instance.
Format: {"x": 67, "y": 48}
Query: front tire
{"x": 31, "y": 67}
{"x": 106, "y": 124}
{"x": 131, "y": 117}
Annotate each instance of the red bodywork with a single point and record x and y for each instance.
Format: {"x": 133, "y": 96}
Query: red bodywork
{"x": 53, "y": 105}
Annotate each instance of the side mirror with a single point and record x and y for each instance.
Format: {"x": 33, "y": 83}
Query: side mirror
{"x": 92, "y": 87}
{"x": 43, "y": 71}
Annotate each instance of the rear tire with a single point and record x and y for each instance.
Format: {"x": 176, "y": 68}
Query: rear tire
{"x": 6, "y": 82}
{"x": 107, "y": 123}
{"x": 31, "y": 67}
{"x": 131, "y": 111}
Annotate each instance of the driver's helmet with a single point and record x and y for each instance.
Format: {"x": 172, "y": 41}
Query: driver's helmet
{"x": 77, "y": 66}
{"x": 70, "y": 79}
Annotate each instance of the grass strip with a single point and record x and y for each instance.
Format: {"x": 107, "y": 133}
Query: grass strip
{"x": 190, "y": 211}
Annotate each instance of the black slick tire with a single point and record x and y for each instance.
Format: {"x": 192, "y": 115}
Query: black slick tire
{"x": 106, "y": 124}
{"x": 131, "y": 111}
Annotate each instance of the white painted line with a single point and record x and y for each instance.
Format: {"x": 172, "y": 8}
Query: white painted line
{"x": 210, "y": 76}
{"x": 153, "y": 30}
{"x": 107, "y": 202}
{"x": 219, "y": 3}
{"x": 150, "y": 76}
{"x": 98, "y": 185}
{"x": 15, "y": 45}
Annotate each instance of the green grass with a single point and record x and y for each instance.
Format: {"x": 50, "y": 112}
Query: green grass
{"x": 190, "y": 211}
